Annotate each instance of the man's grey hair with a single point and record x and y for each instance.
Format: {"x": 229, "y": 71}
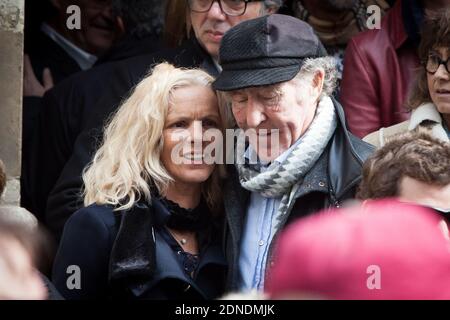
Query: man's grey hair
{"x": 275, "y": 4}
{"x": 328, "y": 65}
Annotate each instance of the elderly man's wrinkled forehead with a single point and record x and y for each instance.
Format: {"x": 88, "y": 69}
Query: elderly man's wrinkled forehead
{"x": 274, "y": 88}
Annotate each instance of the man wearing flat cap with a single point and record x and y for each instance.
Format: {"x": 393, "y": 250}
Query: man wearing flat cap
{"x": 278, "y": 82}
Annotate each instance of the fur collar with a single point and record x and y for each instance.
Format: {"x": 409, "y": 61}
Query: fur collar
{"x": 428, "y": 112}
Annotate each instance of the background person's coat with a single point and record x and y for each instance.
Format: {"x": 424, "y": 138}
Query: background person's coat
{"x": 379, "y": 68}
{"x": 45, "y": 53}
{"x": 425, "y": 116}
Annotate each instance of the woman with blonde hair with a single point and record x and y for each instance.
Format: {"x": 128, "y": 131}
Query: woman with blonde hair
{"x": 151, "y": 225}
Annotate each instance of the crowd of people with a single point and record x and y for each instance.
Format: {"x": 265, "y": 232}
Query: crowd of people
{"x": 338, "y": 163}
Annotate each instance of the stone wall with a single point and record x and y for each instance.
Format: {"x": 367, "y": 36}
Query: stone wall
{"x": 11, "y": 60}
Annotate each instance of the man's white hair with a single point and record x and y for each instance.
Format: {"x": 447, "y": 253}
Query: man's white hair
{"x": 328, "y": 65}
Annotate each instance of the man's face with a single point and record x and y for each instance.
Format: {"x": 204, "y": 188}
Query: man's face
{"x": 414, "y": 191}
{"x": 209, "y": 27}
{"x": 99, "y": 28}
{"x": 288, "y": 108}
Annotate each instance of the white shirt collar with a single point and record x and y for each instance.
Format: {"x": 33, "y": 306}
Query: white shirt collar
{"x": 216, "y": 64}
{"x": 84, "y": 59}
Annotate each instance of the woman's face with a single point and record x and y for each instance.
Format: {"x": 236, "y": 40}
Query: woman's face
{"x": 193, "y": 110}
{"x": 439, "y": 82}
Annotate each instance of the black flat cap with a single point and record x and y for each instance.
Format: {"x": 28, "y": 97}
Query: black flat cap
{"x": 265, "y": 51}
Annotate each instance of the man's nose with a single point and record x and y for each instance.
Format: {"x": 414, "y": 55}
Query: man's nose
{"x": 255, "y": 113}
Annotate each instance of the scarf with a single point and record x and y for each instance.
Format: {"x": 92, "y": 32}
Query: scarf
{"x": 282, "y": 180}
{"x": 179, "y": 218}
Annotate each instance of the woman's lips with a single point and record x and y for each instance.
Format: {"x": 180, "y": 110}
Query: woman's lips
{"x": 443, "y": 94}
{"x": 194, "y": 157}
{"x": 215, "y": 35}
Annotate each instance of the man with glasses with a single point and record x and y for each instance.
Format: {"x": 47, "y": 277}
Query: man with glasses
{"x": 208, "y": 21}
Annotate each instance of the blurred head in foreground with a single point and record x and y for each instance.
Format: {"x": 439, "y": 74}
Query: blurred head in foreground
{"x": 19, "y": 253}
{"x": 414, "y": 167}
{"x": 383, "y": 250}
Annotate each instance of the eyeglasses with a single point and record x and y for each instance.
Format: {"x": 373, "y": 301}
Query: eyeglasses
{"x": 434, "y": 61}
{"x": 229, "y": 7}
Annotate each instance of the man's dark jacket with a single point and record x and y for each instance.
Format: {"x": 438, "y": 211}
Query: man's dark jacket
{"x": 45, "y": 53}
{"x": 65, "y": 197}
{"x": 333, "y": 179}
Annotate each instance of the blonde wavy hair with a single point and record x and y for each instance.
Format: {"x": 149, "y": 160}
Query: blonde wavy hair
{"x": 127, "y": 165}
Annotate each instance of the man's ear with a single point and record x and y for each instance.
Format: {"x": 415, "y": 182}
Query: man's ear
{"x": 317, "y": 82}
{"x": 271, "y": 10}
